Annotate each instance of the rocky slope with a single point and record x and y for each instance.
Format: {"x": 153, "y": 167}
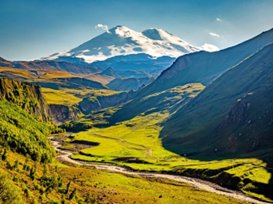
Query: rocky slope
{"x": 63, "y": 113}
{"x": 26, "y": 96}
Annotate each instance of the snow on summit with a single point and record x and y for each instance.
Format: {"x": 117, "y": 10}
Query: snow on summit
{"x": 121, "y": 40}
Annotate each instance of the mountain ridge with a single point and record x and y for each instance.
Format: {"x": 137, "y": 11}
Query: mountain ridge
{"x": 236, "y": 113}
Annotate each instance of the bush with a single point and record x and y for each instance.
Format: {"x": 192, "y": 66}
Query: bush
{"x": 9, "y": 193}
{"x": 22, "y": 133}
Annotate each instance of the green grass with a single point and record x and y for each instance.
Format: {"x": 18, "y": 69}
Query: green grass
{"x": 71, "y": 97}
{"x": 59, "y": 97}
{"x": 139, "y": 138}
{"x": 23, "y": 133}
{"x": 102, "y": 186}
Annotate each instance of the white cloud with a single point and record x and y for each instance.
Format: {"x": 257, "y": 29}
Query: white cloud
{"x": 219, "y": 20}
{"x": 209, "y": 47}
{"x": 102, "y": 27}
{"x": 214, "y": 35}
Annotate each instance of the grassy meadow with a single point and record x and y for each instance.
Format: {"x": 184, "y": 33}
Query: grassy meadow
{"x": 136, "y": 144}
{"x": 27, "y": 182}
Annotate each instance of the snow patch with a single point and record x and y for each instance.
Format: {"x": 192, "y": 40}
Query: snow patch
{"x": 121, "y": 40}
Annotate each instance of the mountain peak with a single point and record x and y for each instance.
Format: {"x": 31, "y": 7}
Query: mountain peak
{"x": 155, "y": 33}
{"x": 119, "y": 27}
{"x": 122, "y": 31}
{"x": 121, "y": 40}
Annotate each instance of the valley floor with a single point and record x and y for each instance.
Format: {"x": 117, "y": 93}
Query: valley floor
{"x": 198, "y": 184}
{"x": 135, "y": 145}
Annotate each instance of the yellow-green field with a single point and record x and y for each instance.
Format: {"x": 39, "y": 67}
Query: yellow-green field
{"x": 59, "y": 97}
{"x": 139, "y": 139}
{"x": 93, "y": 186}
{"x": 71, "y": 97}
{"x": 90, "y": 92}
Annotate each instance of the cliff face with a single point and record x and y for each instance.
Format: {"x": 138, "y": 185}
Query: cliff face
{"x": 62, "y": 113}
{"x": 26, "y": 96}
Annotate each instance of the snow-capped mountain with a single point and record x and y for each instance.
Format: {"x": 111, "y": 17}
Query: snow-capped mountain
{"x": 120, "y": 41}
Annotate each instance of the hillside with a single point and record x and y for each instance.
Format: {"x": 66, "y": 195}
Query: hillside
{"x": 24, "y": 112}
{"x": 26, "y": 96}
{"x": 49, "y": 65}
{"x": 128, "y": 84}
{"x": 232, "y": 118}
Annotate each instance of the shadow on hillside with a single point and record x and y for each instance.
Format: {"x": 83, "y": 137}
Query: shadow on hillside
{"x": 221, "y": 177}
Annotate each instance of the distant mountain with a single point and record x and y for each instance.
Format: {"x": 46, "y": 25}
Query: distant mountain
{"x": 135, "y": 65}
{"x": 199, "y": 67}
{"x": 128, "y": 84}
{"x": 109, "y": 72}
{"x": 5, "y": 63}
{"x": 129, "y": 51}
{"x": 50, "y": 65}
{"x": 121, "y": 40}
{"x": 232, "y": 117}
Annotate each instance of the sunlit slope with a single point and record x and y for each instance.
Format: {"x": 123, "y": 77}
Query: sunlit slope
{"x": 28, "y": 182}
{"x": 169, "y": 99}
{"x": 136, "y": 144}
{"x": 23, "y": 117}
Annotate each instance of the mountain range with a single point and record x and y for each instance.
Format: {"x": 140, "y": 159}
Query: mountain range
{"x": 199, "y": 67}
{"x": 130, "y": 53}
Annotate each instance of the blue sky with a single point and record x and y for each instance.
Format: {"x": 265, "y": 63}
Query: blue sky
{"x": 31, "y": 29}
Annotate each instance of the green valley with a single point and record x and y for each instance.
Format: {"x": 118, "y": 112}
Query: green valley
{"x": 136, "y": 116}
{"x": 31, "y": 174}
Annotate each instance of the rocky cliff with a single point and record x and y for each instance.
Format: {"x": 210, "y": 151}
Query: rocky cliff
{"x": 26, "y": 96}
{"x": 62, "y": 113}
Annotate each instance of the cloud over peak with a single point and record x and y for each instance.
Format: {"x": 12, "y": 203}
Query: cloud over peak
{"x": 102, "y": 27}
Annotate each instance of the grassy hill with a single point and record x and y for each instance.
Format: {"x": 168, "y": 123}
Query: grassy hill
{"x": 30, "y": 174}
{"x": 23, "y": 133}
{"x": 231, "y": 107}
{"x": 170, "y": 100}
{"x": 232, "y": 118}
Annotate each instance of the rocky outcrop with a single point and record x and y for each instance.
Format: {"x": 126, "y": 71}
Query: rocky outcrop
{"x": 62, "y": 113}
{"x": 27, "y": 96}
